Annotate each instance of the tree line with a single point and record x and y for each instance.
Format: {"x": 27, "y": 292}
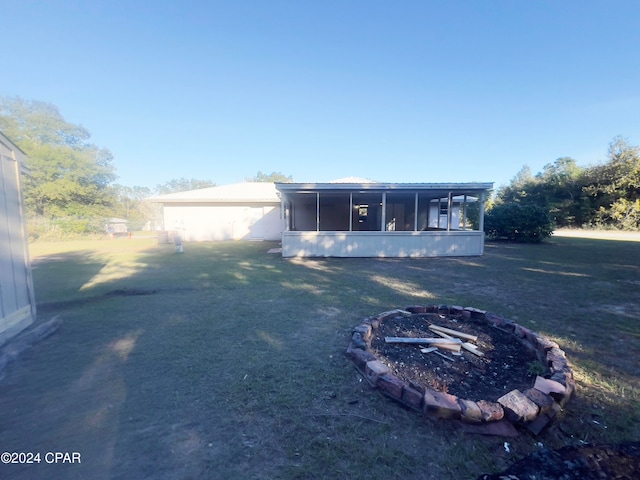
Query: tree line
{"x": 566, "y": 195}
{"x": 71, "y": 187}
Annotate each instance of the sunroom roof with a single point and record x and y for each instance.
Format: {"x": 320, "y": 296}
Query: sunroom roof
{"x": 436, "y": 188}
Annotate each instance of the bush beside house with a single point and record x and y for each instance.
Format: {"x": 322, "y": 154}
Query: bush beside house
{"x": 519, "y": 223}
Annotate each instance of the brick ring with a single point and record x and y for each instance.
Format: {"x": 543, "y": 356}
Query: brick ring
{"x": 532, "y": 409}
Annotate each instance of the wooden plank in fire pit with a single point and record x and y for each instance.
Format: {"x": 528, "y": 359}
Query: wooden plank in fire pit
{"x": 424, "y": 341}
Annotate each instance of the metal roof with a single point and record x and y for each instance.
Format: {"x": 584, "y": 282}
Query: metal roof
{"x": 268, "y": 192}
{"x": 17, "y": 153}
{"x": 438, "y": 188}
{"x": 244, "y": 192}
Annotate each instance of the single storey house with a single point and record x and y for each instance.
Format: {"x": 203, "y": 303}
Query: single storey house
{"x": 17, "y": 300}
{"x": 350, "y": 217}
{"x": 370, "y": 219}
{"x": 240, "y": 211}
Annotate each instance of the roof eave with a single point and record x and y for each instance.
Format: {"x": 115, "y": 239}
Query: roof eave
{"x": 214, "y": 200}
{"x": 476, "y": 186}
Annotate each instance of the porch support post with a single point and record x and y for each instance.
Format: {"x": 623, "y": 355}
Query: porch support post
{"x": 449, "y": 211}
{"x": 317, "y": 211}
{"x": 351, "y": 211}
{"x": 383, "y": 227}
{"x": 481, "y": 223}
{"x": 283, "y": 213}
{"x": 415, "y": 214}
{"x": 464, "y": 212}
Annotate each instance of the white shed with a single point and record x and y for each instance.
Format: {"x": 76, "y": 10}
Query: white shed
{"x": 240, "y": 211}
{"x": 17, "y": 300}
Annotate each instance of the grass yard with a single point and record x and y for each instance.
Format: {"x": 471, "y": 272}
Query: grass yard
{"x": 228, "y": 362}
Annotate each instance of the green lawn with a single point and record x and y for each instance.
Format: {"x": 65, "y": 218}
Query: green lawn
{"x": 228, "y": 362}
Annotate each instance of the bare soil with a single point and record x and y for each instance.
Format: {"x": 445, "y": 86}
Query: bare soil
{"x": 506, "y": 365}
{"x": 616, "y": 461}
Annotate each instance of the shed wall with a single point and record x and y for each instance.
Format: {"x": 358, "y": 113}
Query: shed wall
{"x": 17, "y": 303}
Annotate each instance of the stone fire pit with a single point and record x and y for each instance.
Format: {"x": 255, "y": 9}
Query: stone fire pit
{"x": 532, "y": 406}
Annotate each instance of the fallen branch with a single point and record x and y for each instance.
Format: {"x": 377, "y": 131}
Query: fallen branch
{"x": 347, "y": 415}
{"x": 397, "y": 311}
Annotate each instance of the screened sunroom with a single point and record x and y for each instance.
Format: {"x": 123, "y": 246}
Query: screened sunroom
{"x": 382, "y": 219}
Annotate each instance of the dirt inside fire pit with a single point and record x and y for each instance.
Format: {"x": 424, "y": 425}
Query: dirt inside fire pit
{"x": 506, "y": 363}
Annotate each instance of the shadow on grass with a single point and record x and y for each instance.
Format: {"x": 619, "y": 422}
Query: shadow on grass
{"x": 228, "y": 361}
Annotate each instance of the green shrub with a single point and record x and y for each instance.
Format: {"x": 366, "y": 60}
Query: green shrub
{"x": 516, "y": 222}
{"x": 65, "y": 228}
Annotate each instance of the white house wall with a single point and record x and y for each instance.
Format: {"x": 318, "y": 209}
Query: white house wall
{"x": 382, "y": 244}
{"x": 206, "y": 222}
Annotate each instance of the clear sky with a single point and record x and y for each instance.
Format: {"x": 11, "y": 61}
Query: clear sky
{"x": 395, "y": 91}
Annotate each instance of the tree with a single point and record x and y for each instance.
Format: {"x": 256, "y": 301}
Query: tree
{"x": 606, "y": 195}
{"x": 559, "y": 188}
{"x": 183, "y": 185}
{"x": 273, "y": 177}
{"x": 130, "y": 203}
{"x": 69, "y": 176}
{"x": 613, "y": 188}
{"x": 518, "y": 190}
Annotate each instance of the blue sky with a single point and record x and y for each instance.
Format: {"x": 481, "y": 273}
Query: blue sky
{"x": 395, "y": 91}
